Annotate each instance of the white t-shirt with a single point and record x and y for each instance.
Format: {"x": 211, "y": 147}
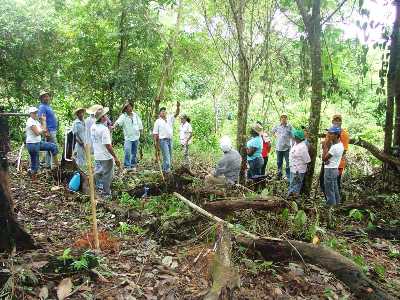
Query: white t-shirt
{"x": 31, "y": 137}
{"x": 299, "y": 158}
{"x": 164, "y": 128}
{"x": 336, "y": 151}
{"x": 184, "y": 133}
{"x": 101, "y": 136}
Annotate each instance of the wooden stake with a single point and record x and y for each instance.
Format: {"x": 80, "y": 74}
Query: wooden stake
{"x": 92, "y": 195}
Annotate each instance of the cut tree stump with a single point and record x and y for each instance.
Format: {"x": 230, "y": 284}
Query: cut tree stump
{"x": 343, "y": 268}
{"x": 224, "y": 207}
{"x": 225, "y": 277}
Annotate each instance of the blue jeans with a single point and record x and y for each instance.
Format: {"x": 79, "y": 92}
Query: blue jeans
{"x": 280, "y": 155}
{"x": 331, "y": 187}
{"x": 50, "y": 139}
{"x": 166, "y": 151}
{"x": 34, "y": 150}
{"x": 295, "y": 182}
{"x": 130, "y": 148}
{"x": 255, "y": 167}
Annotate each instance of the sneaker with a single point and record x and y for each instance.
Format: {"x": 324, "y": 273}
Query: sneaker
{"x": 134, "y": 169}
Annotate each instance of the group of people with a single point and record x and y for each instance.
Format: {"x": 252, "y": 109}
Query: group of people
{"x": 94, "y": 134}
{"x": 293, "y": 147}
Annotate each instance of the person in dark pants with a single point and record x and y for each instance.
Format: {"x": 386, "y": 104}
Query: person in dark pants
{"x": 254, "y": 149}
{"x": 283, "y": 133}
{"x": 266, "y": 149}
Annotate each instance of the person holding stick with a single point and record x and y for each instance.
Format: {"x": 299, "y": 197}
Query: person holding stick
{"x": 162, "y": 134}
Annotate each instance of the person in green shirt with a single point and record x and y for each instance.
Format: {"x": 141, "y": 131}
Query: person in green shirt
{"x": 132, "y": 127}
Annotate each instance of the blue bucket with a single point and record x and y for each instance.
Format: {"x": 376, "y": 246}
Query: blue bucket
{"x": 75, "y": 182}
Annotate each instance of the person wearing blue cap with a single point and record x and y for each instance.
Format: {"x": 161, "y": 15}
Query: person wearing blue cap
{"x": 298, "y": 160}
{"x": 331, "y": 160}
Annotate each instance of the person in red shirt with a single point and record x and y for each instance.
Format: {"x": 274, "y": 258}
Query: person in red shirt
{"x": 265, "y": 150}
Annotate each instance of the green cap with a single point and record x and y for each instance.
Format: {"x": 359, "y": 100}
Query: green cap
{"x": 298, "y": 133}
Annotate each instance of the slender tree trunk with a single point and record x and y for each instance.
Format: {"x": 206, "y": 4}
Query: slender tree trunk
{"x": 314, "y": 29}
{"x": 396, "y": 85}
{"x": 243, "y": 107}
{"x": 391, "y": 76}
{"x": 168, "y": 62}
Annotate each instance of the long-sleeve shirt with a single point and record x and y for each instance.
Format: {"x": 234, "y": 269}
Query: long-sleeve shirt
{"x": 131, "y": 126}
{"x": 229, "y": 166}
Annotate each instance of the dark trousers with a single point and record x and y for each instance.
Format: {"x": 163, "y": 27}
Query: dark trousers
{"x": 264, "y": 167}
{"x": 280, "y": 155}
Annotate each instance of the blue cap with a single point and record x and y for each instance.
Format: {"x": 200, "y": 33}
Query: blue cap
{"x": 335, "y": 129}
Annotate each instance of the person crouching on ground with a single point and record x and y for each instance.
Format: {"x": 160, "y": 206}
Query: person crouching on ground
{"x": 185, "y": 137}
{"x": 254, "y": 150}
{"x": 331, "y": 161}
{"x": 103, "y": 153}
{"x": 163, "y": 132}
{"x": 132, "y": 127}
{"x": 298, "y": 160}
{"x": 79, "y": 130}
{"x": 228, "y": 167}
{"x": 34, "y": 142}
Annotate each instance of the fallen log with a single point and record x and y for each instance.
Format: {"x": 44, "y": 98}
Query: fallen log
{"x": 225, "y": 277}
{"x": 224, "y": 207}
{"x": 342, "y": 267}
{"x": 278, "y": 249}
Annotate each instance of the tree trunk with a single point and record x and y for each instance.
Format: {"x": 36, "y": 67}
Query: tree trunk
{"x": 314, "y": 29}
{"x": 224, "y": 207}
{"x": 168, "y": 62}
{"x": 391, "y": 87}
{"x": 396, "y": 84}
{"x": 342, "y": 267}
{"x": 225, "y": 277}
{"x": 11, "y": 233}
{"x": 237, "y": 9}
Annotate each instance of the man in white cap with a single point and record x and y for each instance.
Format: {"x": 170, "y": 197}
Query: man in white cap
{"x": 89, "y": 121}
{"x": 49, "y": 122}
{"x": 79, "y": 130}
{"x": 228, "y": 168}
{"x": 103, "y": 153}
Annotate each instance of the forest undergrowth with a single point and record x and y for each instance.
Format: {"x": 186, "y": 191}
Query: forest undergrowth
{"x": 156, "y": 247}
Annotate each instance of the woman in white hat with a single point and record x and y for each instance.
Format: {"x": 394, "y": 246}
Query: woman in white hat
{"x": 34, "y": 142}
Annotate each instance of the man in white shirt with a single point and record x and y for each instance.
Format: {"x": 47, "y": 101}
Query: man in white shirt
{"x": 185, "y": 137}
{"x": 163, "y": 132}
{"x": 331, "y": 164}
{"x": 103, "y": 152}
{"x": 298, "y": 160}
{"x": 132, "y": 127}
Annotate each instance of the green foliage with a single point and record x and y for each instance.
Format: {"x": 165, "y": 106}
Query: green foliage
{"x": 393, "y": 252}
{"x": 127, "y": 200}
{"x": 360, "y": 261}
{"x": 356, "y": 214}
{"x": 380, "y": 270}
{"x": 300, "y": 219}
{"x": 125, "y": 228}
